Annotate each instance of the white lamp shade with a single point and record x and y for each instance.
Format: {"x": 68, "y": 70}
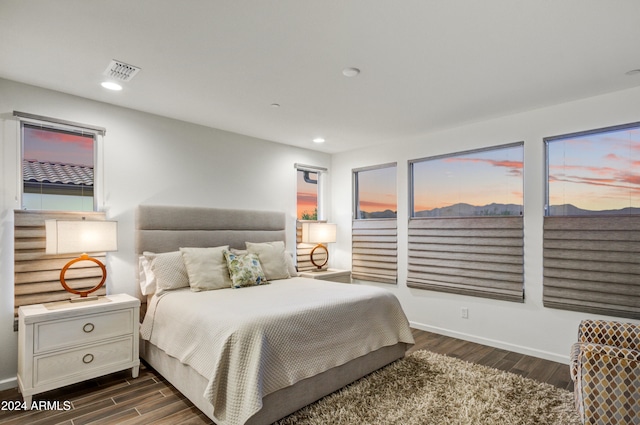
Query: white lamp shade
{"x": 80, "y": 236}
{"x": 318, "y": 232}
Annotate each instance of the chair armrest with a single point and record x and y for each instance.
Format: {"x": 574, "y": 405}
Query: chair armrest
{"x": 607, "y": 384}
{"x": 623, "y": 335}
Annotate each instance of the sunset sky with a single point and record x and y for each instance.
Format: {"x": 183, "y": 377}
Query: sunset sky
{"x": 58, "y": 147}
{"x": 307, "y": 194}
{"x": 377, "y": 190}
{"x": 477, "y": 178}
{"x": 596, "y": 172}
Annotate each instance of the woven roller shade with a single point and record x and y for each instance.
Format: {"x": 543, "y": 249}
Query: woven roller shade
{"x": 592, "y": 264}
{"x": 374, "y": 250}
{"x": 470, "y": 256}
{"x": 36, "y": 275}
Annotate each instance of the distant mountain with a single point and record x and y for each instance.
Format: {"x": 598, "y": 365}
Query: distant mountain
{"x": 379, "y": 214}
{"x": 467, "y": 210}
{"x": 568, "y": 209}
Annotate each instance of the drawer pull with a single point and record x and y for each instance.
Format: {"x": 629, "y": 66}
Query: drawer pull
{"x": 89, "y": 327}
{"x": 88, "y": 358}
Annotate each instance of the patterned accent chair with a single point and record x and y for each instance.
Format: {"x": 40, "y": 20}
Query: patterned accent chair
{"x": 605, "y": 369}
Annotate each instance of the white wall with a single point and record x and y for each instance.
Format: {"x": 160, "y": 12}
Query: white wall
{"x": 147, "y": 160}
{"x": 155, "y": 160}
{"x": 528, "y": 328}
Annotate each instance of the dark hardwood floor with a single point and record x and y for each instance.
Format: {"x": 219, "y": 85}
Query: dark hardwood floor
{"x": 149, "y": 399}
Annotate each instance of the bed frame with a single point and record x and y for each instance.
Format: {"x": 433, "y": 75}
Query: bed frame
{"x": 167, "y": 228}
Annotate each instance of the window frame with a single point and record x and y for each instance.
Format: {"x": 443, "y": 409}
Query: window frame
{"x": 60, "y": 125}
{"x": 412, "y": 162}
{"x": 321, "y": 171}
{"x": 356, "y": 189}
{"x": 552, "y": 139}
{"x": 590, "y": 262}
{"x": 480, "y": 256}
{"x": 374, "y": 241}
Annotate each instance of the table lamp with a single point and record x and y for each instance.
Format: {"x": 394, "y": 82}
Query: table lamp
{"x": 81, "y": 237}
{"x": 318, "y": 233}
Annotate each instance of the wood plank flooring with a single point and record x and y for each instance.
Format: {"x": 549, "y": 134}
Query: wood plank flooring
{"x": 149, "y": 399}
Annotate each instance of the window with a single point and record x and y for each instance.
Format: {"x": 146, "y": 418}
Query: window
{"x": 309, "y": 207}
{"x": 488, "y": 182}
{"x": 58, "y": 172}
{"x": 307, "y": 194}
{"x": 594, "y": 173}
{"x": 375, "y": 192}
{"x": 58, "y": 168}
{"x": 466, "y": 227}
{"x": 591, "y": 253}
{"x": 375, "y": 228}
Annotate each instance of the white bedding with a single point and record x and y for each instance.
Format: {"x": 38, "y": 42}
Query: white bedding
{"x": 250, "y": 342}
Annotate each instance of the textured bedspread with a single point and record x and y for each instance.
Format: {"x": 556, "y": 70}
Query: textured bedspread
{"x": 253, "y": 341}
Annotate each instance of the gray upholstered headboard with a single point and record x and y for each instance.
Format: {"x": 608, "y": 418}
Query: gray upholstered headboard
{"x": 167, "y": 228}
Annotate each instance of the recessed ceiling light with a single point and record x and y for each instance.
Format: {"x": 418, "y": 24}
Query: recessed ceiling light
{"x": 110, "y": 85}
{"x": 633, "y": 72}
{"x": 275, "y": 105}
{"x": 318, "y": 140}
{"x": 350, "y": 72}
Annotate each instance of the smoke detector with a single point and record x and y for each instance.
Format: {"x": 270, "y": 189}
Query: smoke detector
{"x": 121, "y": 71}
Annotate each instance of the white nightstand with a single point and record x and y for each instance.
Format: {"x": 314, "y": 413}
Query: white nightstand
{"x": 333, "y": 275}
{"x": 63, "y": 343}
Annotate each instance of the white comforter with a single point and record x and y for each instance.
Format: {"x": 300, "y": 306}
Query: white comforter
{"x": 250, "y": 342}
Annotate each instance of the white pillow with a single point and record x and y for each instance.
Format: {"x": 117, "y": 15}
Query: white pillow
{"x": 169, "y": 270}
{"x": 146, "y": 278}
{"x": 272, "y": 258}
{"x": 288, "y": 257}
{"x": 206, "y": 268}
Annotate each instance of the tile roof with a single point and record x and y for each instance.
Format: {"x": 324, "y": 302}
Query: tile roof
{"x": 46, "y": 172}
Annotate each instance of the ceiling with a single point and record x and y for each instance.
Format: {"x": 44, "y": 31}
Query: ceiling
{"x": 425, "y": 65}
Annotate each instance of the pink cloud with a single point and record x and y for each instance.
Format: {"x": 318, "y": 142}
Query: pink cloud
{"x": 601, "y": 171}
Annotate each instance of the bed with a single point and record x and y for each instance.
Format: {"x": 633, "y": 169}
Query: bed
{"x": 254, "y": 354}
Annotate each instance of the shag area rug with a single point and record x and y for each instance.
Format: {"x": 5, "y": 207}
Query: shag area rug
{"x": 427, "y": 388}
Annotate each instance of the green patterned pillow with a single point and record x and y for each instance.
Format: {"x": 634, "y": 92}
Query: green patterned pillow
{"x": 244, "y": 270}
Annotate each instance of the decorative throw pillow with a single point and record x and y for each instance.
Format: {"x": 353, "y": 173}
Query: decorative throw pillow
{"x": 244, "y": 270}
{"x": 272, "y": 258}
{"x": 169, "y": 270}
{"x": 206, "y": 268}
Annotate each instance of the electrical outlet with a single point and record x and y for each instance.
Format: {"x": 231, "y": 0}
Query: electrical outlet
{"x": 464, "y": 312}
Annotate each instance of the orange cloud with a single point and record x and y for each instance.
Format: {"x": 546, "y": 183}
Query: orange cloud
{"x": 502, "y": 163}
{"x": 307, "y": 203}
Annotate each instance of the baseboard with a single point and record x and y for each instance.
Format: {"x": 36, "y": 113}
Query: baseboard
{"x": 7, "y": 384}
{"x": 564, "y": 359}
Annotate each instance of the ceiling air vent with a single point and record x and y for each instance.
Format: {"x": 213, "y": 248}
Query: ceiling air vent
{"x": 121, "y": 71}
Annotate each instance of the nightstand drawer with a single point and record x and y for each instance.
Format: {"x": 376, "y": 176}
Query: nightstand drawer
{"x": 82, "y": 360}
{"x": 82, "y": 330}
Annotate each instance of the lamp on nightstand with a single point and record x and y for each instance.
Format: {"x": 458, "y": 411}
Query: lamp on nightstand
{"x": 319, "y": 233}
{"x": 81, "y": 236}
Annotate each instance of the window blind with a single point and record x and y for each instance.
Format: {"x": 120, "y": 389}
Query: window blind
{"x": 478, "y": 256}
{"x": 36, "y": 275}
{"x": 374, "y": 250}
{"x": 592, "y": 264}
